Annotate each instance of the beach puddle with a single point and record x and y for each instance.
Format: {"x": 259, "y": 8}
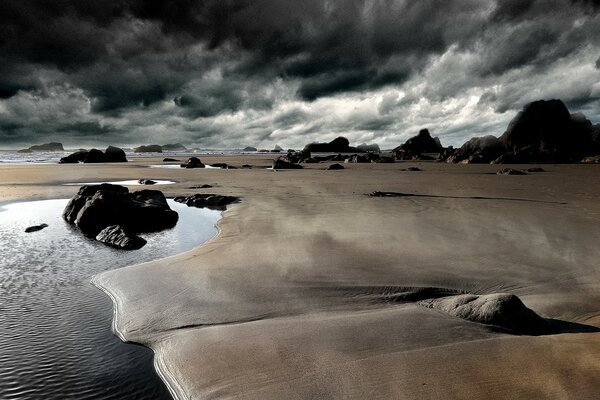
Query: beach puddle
{"x": 177, "y": 166}
{"x": 129, "y": 182}
{"x": 55, "y": 326}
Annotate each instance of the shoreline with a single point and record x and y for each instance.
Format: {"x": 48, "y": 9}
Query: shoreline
{"x": 310, "y": 250}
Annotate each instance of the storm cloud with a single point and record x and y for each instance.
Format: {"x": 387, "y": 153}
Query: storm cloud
{"x": 224, "y": 73}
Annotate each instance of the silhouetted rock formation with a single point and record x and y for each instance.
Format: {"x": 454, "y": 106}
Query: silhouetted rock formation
{"x": 146, "y": 182}
{"x": 503, "y": 310}
{"x": 35, "y": 228}
{"x": 337, "y": 145}
{"x": 192, "y": 162}
{"x": 111, "y": 154}
{"x": 361, "y": 158}
{"x": 249, "y": 148}
{"x": 543, "y": 132}
{"x": 96, "y": 207}
{"x": 414, "y": 147}
{"x": 170, "y": 159}
{"x": 213, "y": 201}
{"x": 52, "y": 146}
{"x": 116, "y": 236}
{"x": 148, "y": 148}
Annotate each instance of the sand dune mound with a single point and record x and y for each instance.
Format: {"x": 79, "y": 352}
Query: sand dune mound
{"x": 503, "y": 310}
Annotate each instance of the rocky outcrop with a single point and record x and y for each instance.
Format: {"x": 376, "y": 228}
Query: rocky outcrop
{"x": 52, "y": 146}
{"x": 384, "y": 160}
{"x": 148, "y": 148}
{"x": 337, "y": 145}
{"x": 200, "y": 200}
{"x": 116, "y": 236}
{"x": 591, "y": 160}
{"x": 95, "y": 207}
{"x": 110, "y": 155}
{"x": 192, "y": 162}
{"x": 283, "y": 164}
{"x": 368, "y": 148}
{"x": 361, "y": 158}
{"x": 502, "y": 310}
{"x": 249, "y": 148}
{"x": 414, "y": 147}
{"x": 173, "y": 147}
{"x": 511, "y": 171}
{"x": 146, "y": 182}
{"x": 35, "y": 228}
{"x": 168, "y": 159}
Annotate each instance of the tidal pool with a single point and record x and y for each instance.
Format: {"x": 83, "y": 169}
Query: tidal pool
{"x": 55, "y": 326}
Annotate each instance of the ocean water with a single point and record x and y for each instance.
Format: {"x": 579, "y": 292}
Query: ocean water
{"x": 55, "y": 326}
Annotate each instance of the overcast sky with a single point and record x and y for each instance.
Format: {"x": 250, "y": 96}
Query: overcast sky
{"x": 225, "y": 73}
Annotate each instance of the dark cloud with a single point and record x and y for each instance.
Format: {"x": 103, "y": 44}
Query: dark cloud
{"x": 195, "y": 59}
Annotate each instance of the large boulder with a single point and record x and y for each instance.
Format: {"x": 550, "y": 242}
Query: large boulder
{"x": 74, "y": 158}
{"x": 249, "y": 148}
{"x": 417, "y": 145}
{"x": 545, "y": 131}
{"x": 95, "y": 207}
{"x": 114, "y": 154}
{"x": 337, "y": 145}
{"x": 502, "y": 310}
{"x": 192, "y": 162}
{"x": 116, "y": 236}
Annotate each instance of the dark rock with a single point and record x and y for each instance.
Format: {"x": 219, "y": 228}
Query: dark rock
{"x": 247, "y": 166}
{"x": 205, "y": 186}
{"x": 219, "y": 165}
{"x": 361, "y": 158}
{"x": 545, "y": 131}
{"x": 94, "y": 156}
{"x": 169, "y": 159}
{"x": 146, "y": 182}
{"x": 277, "y": 149}
{"x": 510, "y": 171}
{"x": 95, "y": 207}
{"x": 53, "y": 146}
{"x": 192, "y": 162}
{"x": 478, "y": 150}
{"x": 422, "y": 143}
{"x": 74, "y": 158}
{"x": 502, "y": 310}
{"x": 337, "y": 145}
{"x": 534, "y": 169}
{"x": 334, "y": 167}
{"x": 35, "y": 228}
{"x": 173, "y": 147}
{"x": 282, "y": 164}
{"x": 114, "y": 154}
{"x": 149, "y": 148}
{"x": 213, "y": 201}
{"x": 24, "y": 151}
{"x": 249, "y": 148}
{"x": 411, "y": 169}
{"x": 116, "y": 236}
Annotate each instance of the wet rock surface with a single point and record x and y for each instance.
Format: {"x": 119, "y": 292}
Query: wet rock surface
{"x": 116, "y": 236}
{"x": 35, "y": 228}
{"x": 192, "y": 162}
{"x": 208, "y": 200}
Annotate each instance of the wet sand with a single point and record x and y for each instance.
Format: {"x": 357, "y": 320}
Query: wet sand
{"x": 291, "y": 300}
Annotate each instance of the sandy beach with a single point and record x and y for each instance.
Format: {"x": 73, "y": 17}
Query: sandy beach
{"x": 292, "y": 298}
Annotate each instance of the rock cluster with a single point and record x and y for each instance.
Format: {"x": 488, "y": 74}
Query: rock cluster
{"x": 111, "y": 154}
{"x": 213, "y": 201}
{"x": 416, "y": 147}
{"x": 97, "y": 207}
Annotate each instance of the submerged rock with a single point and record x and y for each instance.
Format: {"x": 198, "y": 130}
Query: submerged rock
{"x": 503, "y": 310}
{"x": 35, "y": 228}
{"x": 192, "y": 162}
{"x": 116, "y": 236}
{"x": 146, "y": 182}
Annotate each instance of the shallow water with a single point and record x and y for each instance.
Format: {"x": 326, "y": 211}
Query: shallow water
{"x": 55, "y": 326}
{"x": 129, "y": 182}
